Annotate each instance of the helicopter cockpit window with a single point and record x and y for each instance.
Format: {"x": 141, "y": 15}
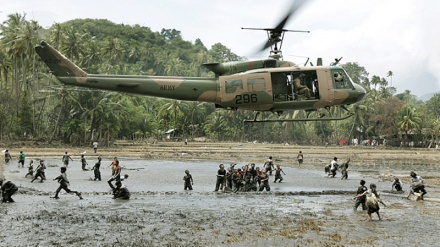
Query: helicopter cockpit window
{"x": 341, "y": 80}
{"x": 256, "y": 85}
{"x": 231, "y": 86}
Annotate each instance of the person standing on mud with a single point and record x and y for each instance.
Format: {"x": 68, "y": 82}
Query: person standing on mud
{"x": 95, "y": 146}
{"x": 21, "y": 159}
{"x": 116, "y": 173}
{"x": 7, "y": 157}
{"x": 344, "y": 168}
{"x": 66, "y": 158}
{"x": 121, "y": 191}
{"x": 96, "y": 170}
{"x": 30, "y": 169}
{"x": 300, "y": 158}
{"x": 372, "y": 202}
{"x": 268, "y": 165}
{"x": 264, "y": 182}
{"x": 8, "y": 189}
{"x": 417, "y": 185}
{"x": 229, "y": 175}
{"x": 83, "y": 163}
{"x": 258, "y": 176}
{"x": 237, "y": 180}
{"x": 361, "y": 200}
{"x": 278, "y": 172}
{"x": 189, "y": 182}
{"x": 252, "y": 171}
{"x": 64, "y": 184}
{"x": 39, "y": 172}
{"x": 221, "y": 177}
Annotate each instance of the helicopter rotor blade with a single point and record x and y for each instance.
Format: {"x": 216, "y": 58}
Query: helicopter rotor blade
{"x": 275, "y": 33}
{"x": 295, "y": 6}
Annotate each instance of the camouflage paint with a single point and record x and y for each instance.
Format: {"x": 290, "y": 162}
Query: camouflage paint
{"x": 207, "y": 89}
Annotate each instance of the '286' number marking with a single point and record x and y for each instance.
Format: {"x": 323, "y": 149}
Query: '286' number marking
{"x": 246, "y": 98}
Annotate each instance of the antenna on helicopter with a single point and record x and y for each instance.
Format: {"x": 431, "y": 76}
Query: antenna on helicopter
{"x": 275, "y": 36}
{"x": 336, "y": 61}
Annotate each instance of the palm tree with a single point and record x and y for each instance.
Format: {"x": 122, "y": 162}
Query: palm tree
{"x": 56, "y": 35}
{"x": 197, "y": 113}
{"x": 113, "y": 50}
{"x": 92, "y": 56}
{"x": 174, "y": 67}
{"x": 174, "y": 106}
{"x": 215, "y": 124}
{"x": 72, "y": 45}
{"x": 410, "y": 119}
{"x": 390, "y": 74}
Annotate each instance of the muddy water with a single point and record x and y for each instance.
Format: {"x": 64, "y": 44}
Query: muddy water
{"x": 306, "y": 209}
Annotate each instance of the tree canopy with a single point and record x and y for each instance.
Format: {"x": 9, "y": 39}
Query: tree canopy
{"x": 35, "y": 106}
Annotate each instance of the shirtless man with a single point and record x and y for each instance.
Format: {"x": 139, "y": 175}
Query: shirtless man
{"x": 116, "y": 173}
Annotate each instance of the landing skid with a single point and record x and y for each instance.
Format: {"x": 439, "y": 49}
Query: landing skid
{"x": 323, "y": 118}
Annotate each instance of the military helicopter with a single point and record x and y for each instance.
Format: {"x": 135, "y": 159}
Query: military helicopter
{"x": 267, "y": 85}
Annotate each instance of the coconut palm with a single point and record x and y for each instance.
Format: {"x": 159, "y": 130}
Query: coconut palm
{"x": 410, "y": 119}
{"x": 174, "y": 106}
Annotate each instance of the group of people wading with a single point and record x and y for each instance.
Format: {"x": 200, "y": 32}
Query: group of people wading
{"x": 248, "y": 177}
{"x": 119, "y": 190}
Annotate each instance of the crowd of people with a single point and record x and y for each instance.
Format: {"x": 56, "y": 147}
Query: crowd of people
{"x": 370, "y": 198}
{"x": 233, "y": 179}
{"x": 119, "y": 190}
{"x": 247, "y": 178}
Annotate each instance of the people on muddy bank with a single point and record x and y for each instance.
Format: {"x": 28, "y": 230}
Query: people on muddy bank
{"x": 30, "y": 169}
{"x": 237, "y": 179}
{"x": 229, "y": 176}
{"x": 8, "y": 157}
{"x": 397, "y": 185}
{"x": 344, "y": 169}
{"x": 360, "y": 200}
{"x": 300, "y": 158}
{"x": 417, "y": 185}
{"x": 40, "y": 172}
{"x": 95, "y": 146}
{"x": 247, "y": 178}
{"x": 268, "y": 165}
{"x": 96, "y": 170}
{"x": 83, "y": 163}
{"x": 372, "y": 201}
{"x": 264, "y": 182}
{"x": 121, "y": 191}
{"x": 333, "y": 167}
{"x": 188, "y": 181}
{"x": 221, "y": 178}
{"x": 278, "y": 172}
{"x": 66, "y": 158}
{"x": 21, "y": 159}
{"x": 8, "y": 189}
{"x": 64, "y": 184}
{"x": 116, "y": 173}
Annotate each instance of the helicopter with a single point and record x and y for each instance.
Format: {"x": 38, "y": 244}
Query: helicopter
{"x": 265, "y": 85}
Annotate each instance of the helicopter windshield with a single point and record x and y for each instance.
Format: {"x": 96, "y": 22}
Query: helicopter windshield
{"x": 341, "y": 80}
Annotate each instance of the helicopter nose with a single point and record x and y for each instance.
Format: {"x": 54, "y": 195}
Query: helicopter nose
{"x": 361, "y": 93}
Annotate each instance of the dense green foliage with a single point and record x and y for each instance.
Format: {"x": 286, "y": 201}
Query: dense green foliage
{"x": 34, "y": 105}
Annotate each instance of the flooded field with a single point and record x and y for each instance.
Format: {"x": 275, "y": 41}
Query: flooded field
{"x": 306, "y": 209}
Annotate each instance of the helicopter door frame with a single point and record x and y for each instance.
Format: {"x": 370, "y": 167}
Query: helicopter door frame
{"x": 246, "y": 91}
{"x": 325, "y": 85}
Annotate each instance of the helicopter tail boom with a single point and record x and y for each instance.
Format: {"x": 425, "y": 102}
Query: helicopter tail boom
{"x": 58, "y": 64}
